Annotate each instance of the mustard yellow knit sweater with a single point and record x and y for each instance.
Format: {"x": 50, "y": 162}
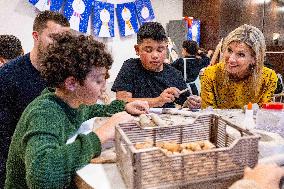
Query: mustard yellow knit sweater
{"x": 234, "y": 94}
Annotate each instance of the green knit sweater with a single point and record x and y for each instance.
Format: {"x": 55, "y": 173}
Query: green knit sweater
{"x": 39, "y": 156}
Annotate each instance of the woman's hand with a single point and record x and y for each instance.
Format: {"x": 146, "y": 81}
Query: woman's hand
{"x": 107, "y": 130}
{"x": 137, "y": 107}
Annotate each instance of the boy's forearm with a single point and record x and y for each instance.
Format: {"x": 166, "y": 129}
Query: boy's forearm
{"x": 153, "y": 102}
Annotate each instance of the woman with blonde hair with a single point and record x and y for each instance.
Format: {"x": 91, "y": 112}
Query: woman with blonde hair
{"x": 240, "y": 77}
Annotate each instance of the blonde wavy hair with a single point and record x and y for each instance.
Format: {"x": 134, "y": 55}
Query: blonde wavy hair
{"x": 254, "y": 38}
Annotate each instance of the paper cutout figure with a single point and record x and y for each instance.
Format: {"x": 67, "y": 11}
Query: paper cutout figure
{"x": 78, "y": 12}
{"x": 42, "y": 5}
{"x": 126, "y": 15}
{"x": 103, "y": 20}
{"x": 145, "y": 11}
{"x": 126, "y": 18}
{"x": 105, "y": 17}
{"x": 78, "y": 7}
{"x": 194, "y": 31}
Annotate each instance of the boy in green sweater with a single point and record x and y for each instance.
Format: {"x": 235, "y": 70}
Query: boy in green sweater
{"x": 76, "y": 66}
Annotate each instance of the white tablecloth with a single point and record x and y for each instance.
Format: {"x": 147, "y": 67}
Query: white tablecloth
{"x": 107, "y": 176}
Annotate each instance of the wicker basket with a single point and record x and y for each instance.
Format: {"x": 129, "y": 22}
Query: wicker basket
{"x": 215, "y": 168}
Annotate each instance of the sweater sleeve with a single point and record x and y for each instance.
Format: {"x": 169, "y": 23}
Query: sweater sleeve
{"x": 49, "y": 161}
{"x": 99, "y": 110}
{"x": 207, "y": 89}
{"x": 270, "y": 78}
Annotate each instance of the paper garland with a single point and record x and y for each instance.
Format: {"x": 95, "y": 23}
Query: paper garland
{"x": 79, "y": 11}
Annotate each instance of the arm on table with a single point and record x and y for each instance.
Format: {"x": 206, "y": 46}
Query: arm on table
{"x": 168, "y": 95}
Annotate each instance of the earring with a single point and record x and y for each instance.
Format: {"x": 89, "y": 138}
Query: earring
{"x": 251, "y": 67}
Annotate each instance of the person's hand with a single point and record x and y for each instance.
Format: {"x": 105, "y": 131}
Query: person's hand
{"x": 266, "y": 176}
{"x": 107, "y": 130}
{"x": 137, "y": 107}
{"x": 168, "y": 95}
{"x": 193, "y": 102}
